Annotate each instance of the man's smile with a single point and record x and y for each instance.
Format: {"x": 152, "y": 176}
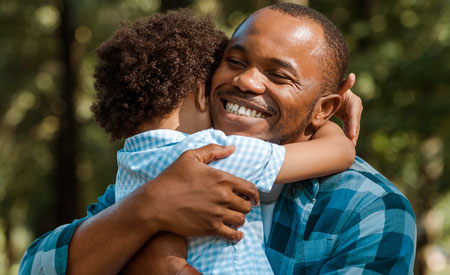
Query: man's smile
{"x": 236, "y": 109}
{"x": 238, "y": 105}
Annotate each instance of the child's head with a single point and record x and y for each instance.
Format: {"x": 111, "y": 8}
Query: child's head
{"x": 146, "y": 69}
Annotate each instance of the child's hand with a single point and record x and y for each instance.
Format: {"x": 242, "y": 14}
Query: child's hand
{"x": 164, "y": 254}
{"x": 350, "y": 111}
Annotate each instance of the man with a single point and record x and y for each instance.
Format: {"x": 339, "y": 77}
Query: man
{"x": 288, "y": 62}
{"x": 353, "y": 222}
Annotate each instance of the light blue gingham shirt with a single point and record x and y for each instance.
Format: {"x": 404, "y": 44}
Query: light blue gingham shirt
{"x": 146, "y": 155}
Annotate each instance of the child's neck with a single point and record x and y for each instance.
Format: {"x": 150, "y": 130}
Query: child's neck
{"x": 171, "y": 122}
{"x": 186, "y": 118}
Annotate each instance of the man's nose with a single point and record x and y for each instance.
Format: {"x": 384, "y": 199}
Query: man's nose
{"x": 251, "y": 80}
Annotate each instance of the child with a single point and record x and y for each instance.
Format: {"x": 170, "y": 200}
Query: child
{"x": 152, "y": 83}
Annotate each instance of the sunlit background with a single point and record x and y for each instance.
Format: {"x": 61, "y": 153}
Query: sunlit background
{"x": 54, "y": 159}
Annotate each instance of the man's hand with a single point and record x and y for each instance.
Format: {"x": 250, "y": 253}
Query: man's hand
{"x": 193, "y": 199}
{"x": 351, "y": 110}
{"x": 189, "y": 198}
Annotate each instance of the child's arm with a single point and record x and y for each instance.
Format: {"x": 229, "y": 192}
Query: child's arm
{"x": 329, "y": 152}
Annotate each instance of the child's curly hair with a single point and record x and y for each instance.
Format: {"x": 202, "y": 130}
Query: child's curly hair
{"x": 147, "y": 68}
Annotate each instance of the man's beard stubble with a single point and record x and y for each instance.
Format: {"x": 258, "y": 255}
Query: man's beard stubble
{"x": 291, "y": 137}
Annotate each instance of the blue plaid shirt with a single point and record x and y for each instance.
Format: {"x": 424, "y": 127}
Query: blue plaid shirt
{"x": 355, "y": 222}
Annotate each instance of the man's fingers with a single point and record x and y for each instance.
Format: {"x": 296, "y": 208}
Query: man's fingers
{"x": 211, "y": 152}
{"x": 238, "y": 203}
{"x": 234, "y": 218}
{"x": 247, "y": 189}
{"x": 229, "y": 233}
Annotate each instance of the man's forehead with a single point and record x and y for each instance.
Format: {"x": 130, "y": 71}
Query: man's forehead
{"x": 295, "y": 44}
{"x": 288, "y": 30}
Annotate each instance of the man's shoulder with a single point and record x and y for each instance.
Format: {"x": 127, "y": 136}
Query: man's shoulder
{"x": 361, "y": 177}
{"x": 360, "y": 186}
{"x": 104, "y": 201}
{"x": 343, "y": 220}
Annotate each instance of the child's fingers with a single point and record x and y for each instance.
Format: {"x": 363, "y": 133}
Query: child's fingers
{"x": 355, "y": 126}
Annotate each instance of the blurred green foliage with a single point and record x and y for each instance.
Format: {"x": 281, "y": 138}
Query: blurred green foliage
{"x": 400, "y": 53}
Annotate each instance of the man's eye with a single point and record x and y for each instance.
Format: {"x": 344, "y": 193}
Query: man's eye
{"x": 235, "y": 62}
{"x": 277, "y": 77}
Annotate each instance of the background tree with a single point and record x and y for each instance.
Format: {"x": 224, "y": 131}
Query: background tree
{"x": 54, "y": 159}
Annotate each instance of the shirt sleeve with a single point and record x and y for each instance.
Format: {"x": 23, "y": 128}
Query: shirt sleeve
{"x": 254, "y": 160}
{"x": 48, "y": 254}
{"x": 378, "y": 240}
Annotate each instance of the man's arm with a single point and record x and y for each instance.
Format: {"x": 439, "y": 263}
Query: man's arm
{"x": 189, "y": 198}
{"x": 48, "y": 253}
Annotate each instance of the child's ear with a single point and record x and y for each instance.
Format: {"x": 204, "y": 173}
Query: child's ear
{"x": 325, "y": 108}
{"x": 201, "y": 100}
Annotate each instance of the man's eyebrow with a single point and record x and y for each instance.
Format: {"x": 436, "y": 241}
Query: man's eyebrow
{"x": 237, "y": 47}
{"x": 286, "y": 65}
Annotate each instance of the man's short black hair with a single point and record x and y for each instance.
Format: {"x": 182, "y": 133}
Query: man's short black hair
{"x": 147, "y": 68}
{"x": 335, "y": 64}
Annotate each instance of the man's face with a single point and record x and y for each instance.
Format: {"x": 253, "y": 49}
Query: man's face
{"x": 269, "y": 78}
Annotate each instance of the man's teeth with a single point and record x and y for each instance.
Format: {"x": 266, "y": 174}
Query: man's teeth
{"x": 235, "y": 109}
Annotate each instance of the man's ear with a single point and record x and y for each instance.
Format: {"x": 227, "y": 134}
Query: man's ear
{"x": 324, "y": 109}
{"x": 328, "y": 105}
{"x": 201, "y": 100}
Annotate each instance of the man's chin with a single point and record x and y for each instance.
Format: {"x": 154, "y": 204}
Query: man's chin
{"x": 232, "y": 124}
{"x": 241, "y": 130}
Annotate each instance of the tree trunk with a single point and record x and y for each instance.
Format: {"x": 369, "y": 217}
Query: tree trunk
{"x": 66, "y": 183}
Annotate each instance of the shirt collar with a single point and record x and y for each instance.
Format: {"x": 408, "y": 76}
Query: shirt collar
{"x": 152, "y": 139}
{"x": 309, "y": 187}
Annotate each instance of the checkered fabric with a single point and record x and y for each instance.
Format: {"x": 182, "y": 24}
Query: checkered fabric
{"x": 355, "y": 222}
{"x": 146, "y": 155}
{"x": 49, "y": 253}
